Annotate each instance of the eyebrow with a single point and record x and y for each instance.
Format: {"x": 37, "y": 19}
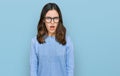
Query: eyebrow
{"x": 52, "y": 17}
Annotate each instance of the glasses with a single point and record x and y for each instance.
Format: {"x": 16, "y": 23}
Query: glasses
{"x": 49, "y": 19}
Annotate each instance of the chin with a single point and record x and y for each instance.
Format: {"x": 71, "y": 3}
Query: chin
{"x": 52, "y": 32}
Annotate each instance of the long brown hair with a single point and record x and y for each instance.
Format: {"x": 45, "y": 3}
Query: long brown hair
{"x": 60, "y": 33}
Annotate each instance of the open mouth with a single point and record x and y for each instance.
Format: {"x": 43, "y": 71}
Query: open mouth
{"x": 52, "y": 27}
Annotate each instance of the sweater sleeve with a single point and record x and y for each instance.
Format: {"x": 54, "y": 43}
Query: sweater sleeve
{"x": 69, "y": 58}
{"x": 33, "y": 59}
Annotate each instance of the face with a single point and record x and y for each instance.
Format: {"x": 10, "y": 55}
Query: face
{"x": 51, "y": 21}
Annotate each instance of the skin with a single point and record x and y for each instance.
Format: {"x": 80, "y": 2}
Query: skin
{"x": 51, "y": 31}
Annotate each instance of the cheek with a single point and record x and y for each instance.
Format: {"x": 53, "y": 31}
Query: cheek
{"x": 47, "y": 25}
{"x": 56, "y": 26}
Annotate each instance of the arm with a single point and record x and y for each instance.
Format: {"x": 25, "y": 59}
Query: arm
{"x": 33, "y": 59}
{"x": 70, "y": 58}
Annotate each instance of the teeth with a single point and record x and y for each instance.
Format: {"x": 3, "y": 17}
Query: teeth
{"x": 51, "y": 26}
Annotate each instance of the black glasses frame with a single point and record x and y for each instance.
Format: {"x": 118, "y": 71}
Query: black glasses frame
{"x": 49, "y": 19}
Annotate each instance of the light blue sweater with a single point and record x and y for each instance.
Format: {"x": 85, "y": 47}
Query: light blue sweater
{"x": 51, "y": 58}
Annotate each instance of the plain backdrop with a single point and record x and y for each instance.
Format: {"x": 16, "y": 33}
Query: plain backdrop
{"x": 93, "y": 25}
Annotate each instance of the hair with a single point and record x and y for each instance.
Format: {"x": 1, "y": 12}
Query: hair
{"x": 60, "y": 32}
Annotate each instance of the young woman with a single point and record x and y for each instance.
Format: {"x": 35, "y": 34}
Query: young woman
{"x": 51, "y": 50}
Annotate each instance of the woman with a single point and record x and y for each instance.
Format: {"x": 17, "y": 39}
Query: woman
{"x": 51, "y": 50}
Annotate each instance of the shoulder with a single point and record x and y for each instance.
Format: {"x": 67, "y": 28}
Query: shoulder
{"x": 34, "y": 40}
{"x": 69, "y": 44}
{"x": 68, "y": 40}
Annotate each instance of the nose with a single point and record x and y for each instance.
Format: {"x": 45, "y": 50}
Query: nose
{"x": 52, "y": 21}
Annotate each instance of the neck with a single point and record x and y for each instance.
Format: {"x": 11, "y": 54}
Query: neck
{"x": 51, "y": 34}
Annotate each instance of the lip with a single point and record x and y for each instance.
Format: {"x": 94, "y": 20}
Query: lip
{"x": 52, "y": 26}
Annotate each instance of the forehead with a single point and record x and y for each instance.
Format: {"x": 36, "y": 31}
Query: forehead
{"x": 52, "y": 13}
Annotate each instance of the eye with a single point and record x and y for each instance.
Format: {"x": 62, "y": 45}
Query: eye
{"x": 56, "y": 19}
{"x": 47, "y": 19}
